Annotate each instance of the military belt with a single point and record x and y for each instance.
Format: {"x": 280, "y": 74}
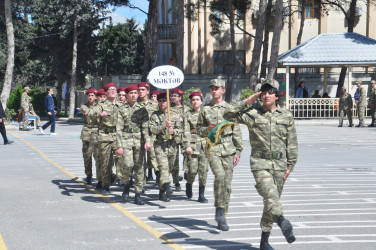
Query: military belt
{"x": 273, "y": 155}
{"x": 131, "y": 130}
{"x": 91, "y": 126}
{"x": 108, "y": 130}
{"x": 194, "y": 131}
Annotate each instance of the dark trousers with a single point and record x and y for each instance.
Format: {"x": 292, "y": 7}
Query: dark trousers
{"x": 50, "y": 122}
{"x": 3, "y": 132}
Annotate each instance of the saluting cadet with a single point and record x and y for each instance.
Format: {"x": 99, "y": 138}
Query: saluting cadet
{"x": 274, "y": 144}
{"x": 196, "y": 158}
{"x": 225, "y": 154}
{"x": 132, "y": 138}
{"x": 89, "y": 136}
{"x": 345, "y": 107}
{"x": 165, "y": 146}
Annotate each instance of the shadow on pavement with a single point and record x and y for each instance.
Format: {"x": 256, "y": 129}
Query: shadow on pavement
{"x": 70, "y": 186}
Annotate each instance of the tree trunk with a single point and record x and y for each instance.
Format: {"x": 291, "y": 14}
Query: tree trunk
{"x": 72, "y": 89}
{"x": 265, "y": 44}
{"x": 180, "y": 36}
{"x": 298, "y": 41}
{"x": 256, "y": 52}
{"x": 10, "y": 57}
{"x": 154, "y": 35}
{"x": 59, "y": 94}
{"x": 276, "y": 38}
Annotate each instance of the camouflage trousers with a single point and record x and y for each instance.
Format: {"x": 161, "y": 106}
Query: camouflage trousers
{"x": 132, "y": 162}
{"x": 372, "y": 110}
{"x": 25, "y": 120}
{"x": 175, "y": 168}
{"x": 90, "y": 149}
{"x": 149, "y": 161}
{"x": 343, "y": 113}
{"x": 165, "y": 153}
{"x": 222, "y": 168}
{"x": 360, "y": 110}
{"x": 107, "y": 150}
{"x": 269, "y": 185}
{"x": 197, "y": 164}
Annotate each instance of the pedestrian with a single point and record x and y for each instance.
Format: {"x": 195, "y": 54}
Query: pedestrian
{"x": 49, "y": 106}
{"x": 225, "y": 154}
{"x": 165, "y": 147}
{"x": 2, "y": 126}
{"x": 274, "y": 153}
{"x": 197, "y": 162}
{"x": 345, "y": 107}
{"x": 361, "y": 102}
{"x": 372, "y": 103}
{"x": 302, "y": 91}
{"x": 316, "y": 95}
{"x": 27, "y": 110}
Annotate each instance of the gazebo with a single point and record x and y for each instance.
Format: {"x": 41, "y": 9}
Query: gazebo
{"x": 330, "y": 51}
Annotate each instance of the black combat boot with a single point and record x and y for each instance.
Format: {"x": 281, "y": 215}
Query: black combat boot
{"x": 99, "y": 185}
{"x": 121, "y": 183}
{"x": 168, "y": 189}
{"x": 131, "y": 183}
{"x": 371, "y": 125}
{"x": 162, "y": 196}
{"x": 157, "y": 177}
{"x": 201, "y": 196}
{"x": 113, "y": 179}
{"x": 125, "y": 193}
{"x": 188, "y": 190}
{"x": 220, "y": 218}
{"x": 150, "y": 175}
{"x": 177, "y": 187}
{"x": 286, "y": 228}
{"x": 264, "y": 243}
{"x": 138, "y": 200}
{"x": 88, "y": 180}
{"x": 105, "y": 191}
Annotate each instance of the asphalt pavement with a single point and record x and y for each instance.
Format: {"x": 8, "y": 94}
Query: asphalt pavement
{"x": 330, "y": 198}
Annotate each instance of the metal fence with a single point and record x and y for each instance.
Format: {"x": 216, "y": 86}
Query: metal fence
{"x": 167, "y": 31}
{"x": 319, "y": 108}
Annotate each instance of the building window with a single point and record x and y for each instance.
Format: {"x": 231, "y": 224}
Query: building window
{"x": 311, "y": 9}
{"x": 223, "y": 62}
{"x": 308, "y": 70}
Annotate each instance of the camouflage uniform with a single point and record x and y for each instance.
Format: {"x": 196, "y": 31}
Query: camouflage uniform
{"x": 372, "y": 104}
{"x": 361, "y": 105}
{"x": 273, "y": 140}
{"x": 131, "y": 134}
{"x": 27, "y": 105}
{"x": 89, "y": 137}
{"x": 345, "y": 108}
{"x": 221, "y": 158}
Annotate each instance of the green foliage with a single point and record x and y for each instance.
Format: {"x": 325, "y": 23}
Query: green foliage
{"x": 186, "y": 95}
{"x": 9, "y": 114}
{"x": 245, "y": 93}
{"x": 15, "y": 98}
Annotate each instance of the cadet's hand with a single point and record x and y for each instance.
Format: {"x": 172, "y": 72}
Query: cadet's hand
{"x": 287, "y": 173}
{"x": 49, "y": 113}
{"x": 170, "y": 131}
{"x": 147, "y": 146}
{"x": 168, "y": 124}
{"x": 86, "y": 113}
{"x": 252, "y": 99}
{"x": 211, "y": 126}
{"x": 103, "y": 114}
{"x": 119, "y": 151}
{"x": 189, "y": 150}
{"x": 236, "y": 160}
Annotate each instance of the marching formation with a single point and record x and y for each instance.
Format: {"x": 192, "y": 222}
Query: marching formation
{"x": 130, "y": 135}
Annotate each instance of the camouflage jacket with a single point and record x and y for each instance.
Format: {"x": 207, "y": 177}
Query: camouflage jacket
{"x": 231, "y": 139}
{"x": 25, "y": 101}
{"x": 180, "y": 111}
{"x": 272, "y": 136}
{"x": 107, "y": 124}
{"x": 156, "y": 126}
{"x": 372, "y": 97}
{"x": 345, "y": 102}
{"x": 132, "y": 128}
{"x": 191, "y": 138}
{"x": 89, "y": 131}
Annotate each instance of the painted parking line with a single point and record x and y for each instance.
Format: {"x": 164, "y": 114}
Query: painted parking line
{"x": 2, "y": 243}
{"x": 124, "y": 211}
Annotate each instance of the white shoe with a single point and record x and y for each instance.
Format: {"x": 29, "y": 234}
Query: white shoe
{"x": 41, "y": 130}
{"x": 53, "y": 133}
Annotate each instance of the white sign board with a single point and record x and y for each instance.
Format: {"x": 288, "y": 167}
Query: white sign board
{"x": 166, "y": 77}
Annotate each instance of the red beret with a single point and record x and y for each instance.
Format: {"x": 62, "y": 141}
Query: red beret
{"x": 90, "y": 91}
{"x": 120, "y": 89}
{"x": 130, "y": 88}
{"x": 197, "y": 93}
{"x": 161, "y": 95}
{"x": 109, "y": 85}
{"x": 155, "y": 92}
{"x": 177, "y": 91}
{"x": 143, "y": 84}
{"x": 100, "y": 92}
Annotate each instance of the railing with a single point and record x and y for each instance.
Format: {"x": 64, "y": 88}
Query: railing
{"x": 318, "y": 108}
{"x": 167, "y": 31}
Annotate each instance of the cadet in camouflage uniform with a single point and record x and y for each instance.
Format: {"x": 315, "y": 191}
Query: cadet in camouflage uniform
{"x": 361, "y": 102}
{"x": 273, "y": 140}
{"x": 196, "y": 158}
{"x": 149, "y": 158}
{"x": 345, "y": 107}
{"x": 27, "y": 109}
{"x": 179, "y": 108}
{"x": 122, "y": 95}
{"x": 372, "y": 103}
{"x": 225, "y": 155}
{"x": 108, "y": 113}
{"x": 101, "y": 97}
{"x": 164, "y": 147}
{"x": 89, "y": 136}
{"x": 132, "y": 131}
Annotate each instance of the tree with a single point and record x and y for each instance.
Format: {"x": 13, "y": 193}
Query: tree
{"x": 278, "y": 21}
{"x": 10, "y": 54}
{"x": 299, "y": 39}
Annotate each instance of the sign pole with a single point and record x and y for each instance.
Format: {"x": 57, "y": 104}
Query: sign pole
{"x": 168, "y": 107}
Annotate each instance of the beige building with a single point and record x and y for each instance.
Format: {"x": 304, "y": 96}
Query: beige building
{"x": 206, "y": 54}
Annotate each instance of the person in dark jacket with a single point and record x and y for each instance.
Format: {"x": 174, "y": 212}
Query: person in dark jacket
{"x": 2, "y": 126}
{"x": 49, "y": 106}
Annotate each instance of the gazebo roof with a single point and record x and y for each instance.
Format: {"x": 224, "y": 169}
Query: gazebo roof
{"x": 334, "y": 50}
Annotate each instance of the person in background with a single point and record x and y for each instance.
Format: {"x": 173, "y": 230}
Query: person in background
{"x": 372, "y": 103}
{"x": 153, "y": 95}
{"x": 345, "y": 107}
{"x": 2, "y": 126}
{"x": 122, "y": 96}
{"x": 302, "y": 91}
{"x": 361, "y": 102}
{"x": 49, "y": 106}
{"x": 316, "y": 95}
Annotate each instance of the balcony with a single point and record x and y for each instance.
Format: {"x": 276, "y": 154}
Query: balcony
{"x": 167, "y": 33}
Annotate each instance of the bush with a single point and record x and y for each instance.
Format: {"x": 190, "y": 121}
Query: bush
{"x": 245, "y": 93}
{"x": 10, "y": 114}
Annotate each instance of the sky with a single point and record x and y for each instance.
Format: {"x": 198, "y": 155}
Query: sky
{"x": 135, "y": 13}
